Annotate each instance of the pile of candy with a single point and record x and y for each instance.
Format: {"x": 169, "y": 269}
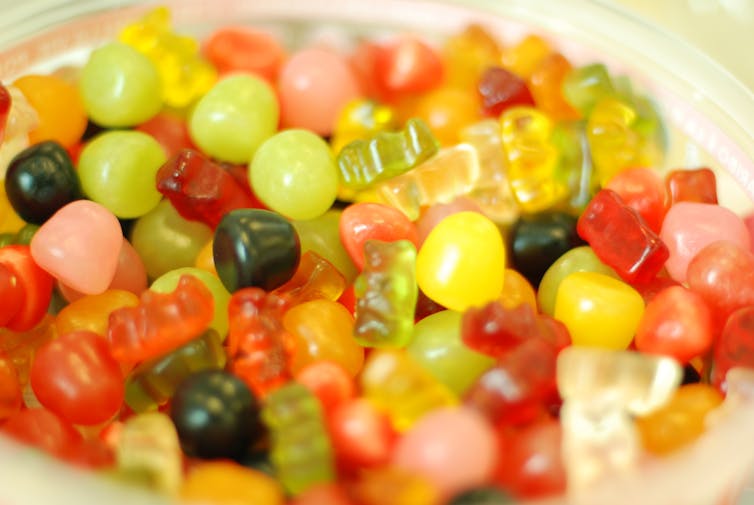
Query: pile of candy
{"x": 238, "y": 272}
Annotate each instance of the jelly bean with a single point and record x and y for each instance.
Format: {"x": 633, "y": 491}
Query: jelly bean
{"x": 117, "y": 169}
{"x": 501, "y": 89}
{"x": 361, "y": 435}
{"x": 61, "y": 378}
{"x": 433, "y": 214}
{"x": 233, "y": 118}
{"x": 10, "y": 389}
{"x": 154, "y": 382}
{"x": 168, "y": 281}
{"x": 204, "y": 260}
{"x": 61, "y": 112}
{"x": 315, "y": 279}
{"x": 642, "y": 190}
{"x": 517, "y": 290}
{"x": 698, "y": 185}
{"x": 481, "y": 496}
{"x": 734, "y": 346}
{"x": 598, "y": 310}
{"x": 119, "y": 86}
{"x": 35, "y": 283}
{"x": 313, "y": 86}
{"x": 546, "y": 86}
{"x": 164, "y": 240}
{"x": 43, "y": 166}
{"x": 361, "y": 119}
{"x": 579, "y": 259}
{"x": 323, "y": 330}
{"x": 20, "y": 347}
{"x": 12, "y": 294}
{"x": 199, "y": 189}
{"x": 446, "y": 111}
{"x": 10, "y": 222}
{"x": 300, "y": 447}
{"x": 259, "y": 348}
{"x": 322, "y": 236}
{"x": 330, "y": 382}
{"x": 170, "y": 131}
{"x": 407, "y": 65}
{"x": 404, "y": 487}
{"x": 238, "y": 48}
{"x": 161, "y": 322}
{"x": 437, "y": 346}
{"x": 387, "y": 154}
{"x": 584, "y": 86}
{"x": 525, "y": 56}
{"x": 461, "y": 263}
{"x": 467, "y": 54}
{"x": 5, "y": 105}
{"x": 224, "y": 483}
{"x": 621, "y": 239}
{"x": 454, "y": 448}
{"x": 255, "y": 247}
{"x": 538, "y": 241}
{"x": 41, "y": 428}
{"x": 91, "y": 312}
{"x": 130, "y": 274}
{"x": 681, "y": 420}
{"x": 690, "y": 226}
{"x": 293, "y": 173}
{"x": 87, "y": 263}
{"x": 148, "y": 445}
{"x": 216, "y": 415}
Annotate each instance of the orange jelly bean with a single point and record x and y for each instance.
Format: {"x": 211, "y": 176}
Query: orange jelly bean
{"x": 91, "y": 312}
{"x": 447, "y": 111}
{"x": 226, "y": 483}
{"x": 61, "y": 112}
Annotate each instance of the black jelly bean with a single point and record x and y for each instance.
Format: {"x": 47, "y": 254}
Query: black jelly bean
{"x": 254, "y": 247}
{"x": 40, "y": 180}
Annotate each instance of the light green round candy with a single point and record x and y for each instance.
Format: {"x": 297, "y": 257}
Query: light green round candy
{"x": 294, "y": 174}
{"x": 578, "y": 259}
{"x": 166, "y": 241}
{"x": 322, "y": 236}
{"x": 117, "y": 169}
{"x": 438, "y": 348}
{"x": 120, "y": 86}
{"x": 169, "y": 281}
{"x": 233, "y": 118}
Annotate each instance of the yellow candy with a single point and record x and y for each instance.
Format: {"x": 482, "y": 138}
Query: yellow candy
{"x": 598, "y": 310}
{"x": 462, "y": 261}
{"x": 227, "y": 483}
{"x": 517, "y": 290}
{"x": 467, "y": 55}
{"x": 524, "y": 58}
{"x": 361, "y": 119}
{"x": 9, "y": 220}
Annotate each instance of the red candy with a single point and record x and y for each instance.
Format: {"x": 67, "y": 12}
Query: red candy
{"x": 10, "y": 389}
{"x": 5, "y": 103}
{"x": 329, "y": 382}
{"x": 76, "y": 377}
{"x": 11, "y": 294}
{"x": 373, "y": 221}
{"x": 501, "y": 89}
{"x": 170, "y": 130}
{"x": 239, "y": 49}
{"x": 199, "y": 189}
{"x": 735, "y": 346}
{"x": 161, "y": 322}
{"x": 642, "y": 190}
{"x": 43, "y": 429}
{"x": 35, "y": 288}
{"x": 362, "y": 437}
{"x": 405, "y": 66}
{"x": 621, "y": 239}
{"x": 697, "y": 185}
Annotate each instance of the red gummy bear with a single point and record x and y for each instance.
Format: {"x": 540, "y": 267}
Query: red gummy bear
{"x": 501, "y": 89}
{"x": 692, "y": 186}
{"x": 200, "y": 189}
{"x": 161, "y": 322}
{"x": 621, "y": 239}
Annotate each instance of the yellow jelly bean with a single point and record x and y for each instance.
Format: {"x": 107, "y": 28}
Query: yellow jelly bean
{"x": 598, "y": 310}
{"x": 91, "y": 312}
{"x": 9, "y": 220}
{"x": 462, "y": 261}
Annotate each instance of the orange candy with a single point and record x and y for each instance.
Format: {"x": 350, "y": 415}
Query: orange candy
{"x": 61, "y": 113}
{"x": 517, "y": 290}
{"x": 240, "y": 49}
{"x": 205, "y": 259}
{"x": 91, "y": 312}
{"x": 523, "y": 58}
{"x": 546, "y": 86}
{"x": 227, "y": 483}
{"x": 447, "y": 111}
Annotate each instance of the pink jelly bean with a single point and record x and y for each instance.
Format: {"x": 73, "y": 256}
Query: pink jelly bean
{"x": 313, "y": 87}
{"x": 689, "y": 227}
{"x": 455, "y": 448}
{"x": 79, "y": 245}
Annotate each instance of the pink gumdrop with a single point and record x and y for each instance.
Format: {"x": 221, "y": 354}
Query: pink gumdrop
{"x": 455, "y": 448}
{"x": 79, "y": 245}
{"x": 439, "y": 211}
{"x": 689, "y": 227}
{"x": 130, "y": 275}
{"x": 313, "y": 87}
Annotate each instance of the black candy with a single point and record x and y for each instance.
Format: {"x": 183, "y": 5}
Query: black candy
{"x": 482, "y": 496}
{"x": 537, "y": 241}
{"x": 255, "y": 248}
{"x": 40, "y": 180}
{"x": 216, "y": 415}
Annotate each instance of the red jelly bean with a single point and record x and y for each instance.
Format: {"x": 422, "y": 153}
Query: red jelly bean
{"x": 241, "y": 49}
{"x": 329, "y": 382}
{"x": 676, "y": 323}
{"x": 11, "y": 294}
{"x": 11, "y": 398}
{"x": 200, "y": 189}
{"x": 698, "y": 185}
{"x": 161, "y": 322}
{"x": 641, "y": 189}
{"x": 43, "y": 429}
{"x": 170, "y": 130}
{"x": 407, "y": 65}
{"x": 5, "y": 103}
{"x": 362, "y": 436}
{"x": 373, "y": 221}
{"x": 62, "y": 378}
{"x": 735, "y": 347}
{"x": 35, "y": 284}
{"x": 621, "y": 239}
{"x": 501, "y": 89}
{"x": 322, "y": 494}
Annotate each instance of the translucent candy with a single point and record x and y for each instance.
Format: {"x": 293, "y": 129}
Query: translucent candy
{"x": 386, "y": 294}
{"x": 467, "y": 54}
{"x": 361, "y": 119}
{"x": 525, "y": 56}
{"x": 300, "y": 446}
{"x": 315, "y": 279}
{"x": 583, "y": 87}
{"x": 21, "y": 119}
{"x": 387, "y": 154}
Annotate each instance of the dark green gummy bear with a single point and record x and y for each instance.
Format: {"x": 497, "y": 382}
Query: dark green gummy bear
{"x": 255, "y": 248}
{"x": 538, "y": 240}
{"x": 40, "y": 180}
